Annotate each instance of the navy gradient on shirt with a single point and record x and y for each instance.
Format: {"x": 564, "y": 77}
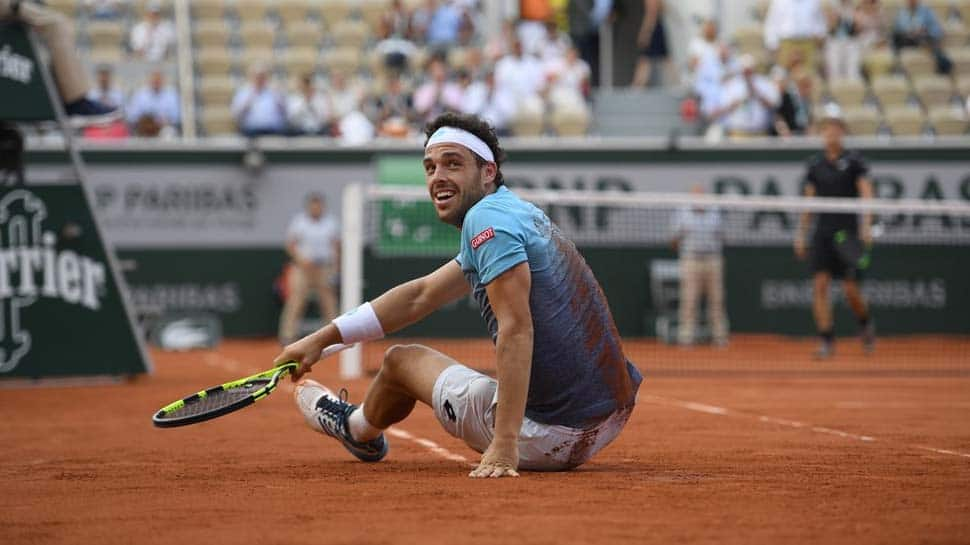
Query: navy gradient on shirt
{"x": 579, "y": 372}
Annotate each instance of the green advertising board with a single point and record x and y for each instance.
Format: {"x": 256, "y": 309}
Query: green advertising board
{"x": 410, "y": 228}
{"x": 21, "y": 81}
{"x": 61, "y": 310}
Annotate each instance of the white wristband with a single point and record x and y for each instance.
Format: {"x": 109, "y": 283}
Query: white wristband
{"x": 359, "y": 325}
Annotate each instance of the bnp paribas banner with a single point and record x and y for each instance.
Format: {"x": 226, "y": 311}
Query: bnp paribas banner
{"x": 61, "y": 312}
{"x": 172, "y": 205}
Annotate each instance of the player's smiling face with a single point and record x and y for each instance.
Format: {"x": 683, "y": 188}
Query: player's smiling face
{"x": 455, "y": 181}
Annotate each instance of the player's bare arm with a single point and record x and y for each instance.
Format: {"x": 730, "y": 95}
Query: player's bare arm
{"x": 396, "y": 309}
{"x": 804, "y": 219}
{"x": 864, "y": 185}
{"x": 509, "y": 294}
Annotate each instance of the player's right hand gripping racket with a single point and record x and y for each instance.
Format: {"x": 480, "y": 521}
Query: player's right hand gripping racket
{"x": 229, "y": 397}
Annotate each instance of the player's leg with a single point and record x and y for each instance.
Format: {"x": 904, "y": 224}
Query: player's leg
{"x": 822, "y": 311}
{"x": 295, "y": 304}
{"x": 860, "y": 309}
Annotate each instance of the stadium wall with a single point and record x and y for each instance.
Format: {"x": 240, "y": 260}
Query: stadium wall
{"x": 201, "y": 227}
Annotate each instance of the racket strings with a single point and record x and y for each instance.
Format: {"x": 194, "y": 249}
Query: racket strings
{"x": 217, "y": 400}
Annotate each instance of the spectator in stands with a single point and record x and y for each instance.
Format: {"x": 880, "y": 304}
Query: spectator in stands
{"x": 152, "y": 38}
{"x": 701, "y": 47}
{"x": 499, "y": 44}
{"x": 394, "y": 49}
{"x": 313, "y": 245}
{"x": 842, "y": 48}
{"x": 713, "y": 73}
{"x": 154, "y": 109}
{"x": 870, "y": 20}
{"x": 438, "y": 94}
{"x": 916, "y": 26}
{"x": 104, "y": 90}
{"x": 520, "y": 73}
{"x": 795, "y": 27}
{"x": 394, "y": 109}
{"x": 748, "y": 102}
{"x": 57, "y": 32}
{"x": 396, "y": 20}
{"x": 420, "y": 21}
{"x": 698, "y": 238}
{"x": 106, "y": 9}
{"x": 585, "y": 19}
{"x": 257, "y": 107}
{"x": 794, "y": 113}
{"x": 553, "y": 44}
{"x": 345, "y": 93}
{"x": 652, "y": 41}
{"x": 445, "y": 24}
{"x": 307, "y": 109}
{"x": 490, "y": 102}
{"x": 569, "y": 73}
{"x": 355, "y": 129}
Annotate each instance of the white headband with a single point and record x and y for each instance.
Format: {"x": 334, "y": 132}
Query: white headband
{"x": 454, "y": 135}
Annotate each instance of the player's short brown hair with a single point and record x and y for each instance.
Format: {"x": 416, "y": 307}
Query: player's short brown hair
{"x": 477, "y": 126}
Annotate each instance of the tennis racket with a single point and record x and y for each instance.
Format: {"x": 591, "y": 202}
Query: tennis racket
{"x": 229, "y": 397}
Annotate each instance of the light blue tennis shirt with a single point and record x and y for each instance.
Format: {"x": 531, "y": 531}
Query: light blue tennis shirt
{"x": 579, "y": 373}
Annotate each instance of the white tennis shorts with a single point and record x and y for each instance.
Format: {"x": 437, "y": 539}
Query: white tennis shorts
{"x": 464, "y": 402}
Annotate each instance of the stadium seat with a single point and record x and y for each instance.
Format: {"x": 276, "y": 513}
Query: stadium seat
{"x": 252, "y": 11}
{"x": 878, "y": 63}
{"x": 933, "y": 90}
{"x": 941, "y": 8}
{"x": 261, "y": 55}
{"x": 570, "y": 119}
{"x": 948, "y": 121}
{"x": 891, "y": 90}
{"x": 847, "y": 92}
{"x": 956, "y": 35}
{"x": 961, "y": 61}
{"x": 300, "y": 60}
{"x": 917, "y": 62}
{"x": 963, "y": 87}
{"x": 342, "y": 59}
{"x": 294, "y": 11}
{"x": 210, "y": 33}
{"x": 105, "y": 55}
{"x": 65, "y": 7}
{"x": 750, "y": 39}
{"x": 303, "y": 34}
{"x": 528, "y": 120}
{"x": 458, "y": 58}
{"x": 350, "y": 33}
{"x": 371, "y": 11}
{"x": 208, "y": 9}
{"x": 104, "y": 34}
{"x": 334, "y": 11}
{"x": 905, "y": 120}
{"x": 216, "y": 91}
{"x": 218, "y": 121}
{"x": 258, "y": 35}
{"x": 963, "y": 7}
{"x": 214, "y": 61}
{"x": 861, "y": 121}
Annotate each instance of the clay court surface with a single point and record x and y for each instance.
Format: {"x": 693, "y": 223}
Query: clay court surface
{"x": 822, "y": 458}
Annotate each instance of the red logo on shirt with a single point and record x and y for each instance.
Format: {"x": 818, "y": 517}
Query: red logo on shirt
{"x": 482, "y": 238}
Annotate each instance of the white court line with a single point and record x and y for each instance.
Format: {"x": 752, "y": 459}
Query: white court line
{"x": 722, "y": 411}
{"x": 218, "y": 360}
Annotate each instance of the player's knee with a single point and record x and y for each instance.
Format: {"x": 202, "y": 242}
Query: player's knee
{"x": 398, "y": 357}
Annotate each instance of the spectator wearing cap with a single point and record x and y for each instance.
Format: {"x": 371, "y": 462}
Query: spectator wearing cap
{"x": 153, "y": 37}
{"x": 795, "y": 27}
{"x": 916, "y": 26}
{"x": 307, "y": 109}
{"x": 257, "y": 107}
{"x": 154, "y": 109}
{"x": 104, "y": 90}
{"x": 748, "y": 102}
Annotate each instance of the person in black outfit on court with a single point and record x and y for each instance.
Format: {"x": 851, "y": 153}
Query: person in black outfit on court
{"x": 836, "y": 172}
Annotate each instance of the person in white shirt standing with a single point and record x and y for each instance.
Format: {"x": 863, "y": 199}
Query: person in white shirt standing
{"x": 698, "y": 238}
{"x": 313, "y": 244}
{"x": 795, "y": 28}
{"x": 152, "y": 38}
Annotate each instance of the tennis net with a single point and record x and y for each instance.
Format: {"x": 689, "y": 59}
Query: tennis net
{"x": 915, "y": 278}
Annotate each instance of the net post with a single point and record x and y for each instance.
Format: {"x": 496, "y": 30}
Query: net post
{"x": 352, "y": 270}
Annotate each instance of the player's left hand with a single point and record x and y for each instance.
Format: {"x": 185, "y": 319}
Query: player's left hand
{"x": 305, "y": 351}
{"x": 501, "y": 459}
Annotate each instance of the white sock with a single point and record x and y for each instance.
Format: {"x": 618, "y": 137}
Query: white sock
{"x": 360, "y": 429}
